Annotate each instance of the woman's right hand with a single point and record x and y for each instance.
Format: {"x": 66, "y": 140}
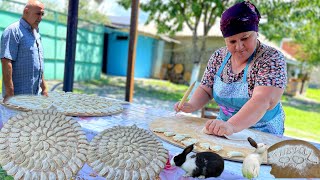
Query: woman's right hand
{"x": 186, "y": 107}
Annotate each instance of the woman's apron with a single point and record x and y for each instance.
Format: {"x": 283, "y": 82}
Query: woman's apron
{"x": 232, "y": 96}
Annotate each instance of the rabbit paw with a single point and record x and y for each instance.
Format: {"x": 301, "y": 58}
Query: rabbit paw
{"x": 201, "y": 177}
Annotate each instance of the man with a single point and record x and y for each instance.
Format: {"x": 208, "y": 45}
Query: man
{"x": 22, "y": 54}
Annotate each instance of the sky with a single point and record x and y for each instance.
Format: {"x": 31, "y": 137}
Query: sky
{"x": 111, "y": 8}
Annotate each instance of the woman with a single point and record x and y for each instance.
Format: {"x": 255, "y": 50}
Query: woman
{"x": 246, "y": 78}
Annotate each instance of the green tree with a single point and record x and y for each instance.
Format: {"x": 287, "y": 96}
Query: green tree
{"x": 300, "y": 21}
{"x": 86, "y": 12}
{"x": 295, "y": 19}
{"x": 171, "y": 15}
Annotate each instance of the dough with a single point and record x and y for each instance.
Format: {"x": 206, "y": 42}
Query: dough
{"x": 178, "y": 137}
{"x": 169, "y": 133}
{"x": 234, "y": 154}
{"x": 205, "y": 146}
{"x": 128, "y": 152}
{"x": 204, "y": 130}
{"x": 67, "y": 103}
{"x": 160, "y": 130}
{"x": 216, "y": 148}
{"x": 189, "y": 142}
{"x": 241, "y": 136}
{"x": 42, "y": 143}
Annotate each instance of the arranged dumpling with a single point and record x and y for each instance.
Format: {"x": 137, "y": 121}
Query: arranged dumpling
{"x": 42, "y": 144}
{"x": 67, "y": 103}
{"x": 127, "y": 152}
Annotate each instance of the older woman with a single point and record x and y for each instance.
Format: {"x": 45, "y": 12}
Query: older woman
{"x": 246, "y": 78}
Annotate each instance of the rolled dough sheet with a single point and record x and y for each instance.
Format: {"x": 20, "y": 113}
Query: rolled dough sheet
{"x": 239, "y": 136}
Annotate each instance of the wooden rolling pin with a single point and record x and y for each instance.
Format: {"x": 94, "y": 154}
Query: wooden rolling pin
{"x": 186, "y": 94}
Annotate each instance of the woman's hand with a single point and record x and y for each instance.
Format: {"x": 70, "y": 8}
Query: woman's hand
{"x": 219, "y": 127}
{"x": 186, "y": 107}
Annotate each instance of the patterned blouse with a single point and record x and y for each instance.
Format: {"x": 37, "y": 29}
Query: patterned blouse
{"x": 268, "y": 69}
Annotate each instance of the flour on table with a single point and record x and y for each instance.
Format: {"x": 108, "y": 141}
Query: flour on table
{"x": 297, "y": 157}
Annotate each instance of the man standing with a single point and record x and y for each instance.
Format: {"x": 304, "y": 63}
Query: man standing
{"x": 22, "y": 54}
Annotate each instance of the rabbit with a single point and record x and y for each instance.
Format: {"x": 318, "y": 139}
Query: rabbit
{"x": 201, "y": 165}
{"x": 251, "y": 164}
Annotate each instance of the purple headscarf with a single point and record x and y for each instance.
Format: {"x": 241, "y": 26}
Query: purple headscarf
{"x": 241, "y": 17}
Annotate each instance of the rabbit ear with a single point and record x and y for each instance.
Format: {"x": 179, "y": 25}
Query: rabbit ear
{"x": 188, "y": 149}
{"x": 252, "y": 142}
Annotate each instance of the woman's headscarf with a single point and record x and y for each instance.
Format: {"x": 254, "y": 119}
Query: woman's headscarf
{"x": 241, "y": 17}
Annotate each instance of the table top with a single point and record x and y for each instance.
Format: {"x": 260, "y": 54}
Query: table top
{"x": 140, "y": 116}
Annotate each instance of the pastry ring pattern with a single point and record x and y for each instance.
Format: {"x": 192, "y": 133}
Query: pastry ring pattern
{"x": 42, "y": 144}
{"x": 127, "y": 152}
{"x": 67, "y": 103}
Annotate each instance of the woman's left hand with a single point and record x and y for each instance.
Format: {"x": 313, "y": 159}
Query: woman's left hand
{"x": 219, "y": 127}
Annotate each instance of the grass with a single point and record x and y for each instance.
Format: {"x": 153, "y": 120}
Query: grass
{"x": 302, "y": 116}
{"x": 159, "y": 89}
{"x": 313, "y": 94}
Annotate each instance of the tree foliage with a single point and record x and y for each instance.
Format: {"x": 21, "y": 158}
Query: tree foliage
{"x": 295, "y": 19}
{"x": 85, "y": 12}
{"x": 171, "y": 15}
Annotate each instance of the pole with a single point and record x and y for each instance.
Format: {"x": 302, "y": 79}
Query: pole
{"x": 132, "y": 50}
{"x": 71, "y": 43}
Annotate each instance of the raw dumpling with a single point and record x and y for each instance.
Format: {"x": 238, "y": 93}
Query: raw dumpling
{"x": 178, "y": 137}
{"x": 159, "y": 130}
{"x": 205, "y": 146}
{"x": 216, "y": 148}
{"x": 235, "y": 154}
{"x": 169, "y": 133}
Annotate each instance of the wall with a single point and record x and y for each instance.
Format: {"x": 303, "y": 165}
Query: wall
{"x": 117, "y": 62}
{"x": 183, "y": 52}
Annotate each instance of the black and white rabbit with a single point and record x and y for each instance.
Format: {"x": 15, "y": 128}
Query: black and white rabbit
{"x": 202, "y": 164}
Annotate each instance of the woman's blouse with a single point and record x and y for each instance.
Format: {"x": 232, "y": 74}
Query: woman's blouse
{"x": 267, "y": 69}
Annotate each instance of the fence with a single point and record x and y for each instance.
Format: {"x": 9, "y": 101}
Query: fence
{"x": 90, "y": 39}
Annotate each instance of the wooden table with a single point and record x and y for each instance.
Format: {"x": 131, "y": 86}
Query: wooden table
{"x": 142, "y": 117}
